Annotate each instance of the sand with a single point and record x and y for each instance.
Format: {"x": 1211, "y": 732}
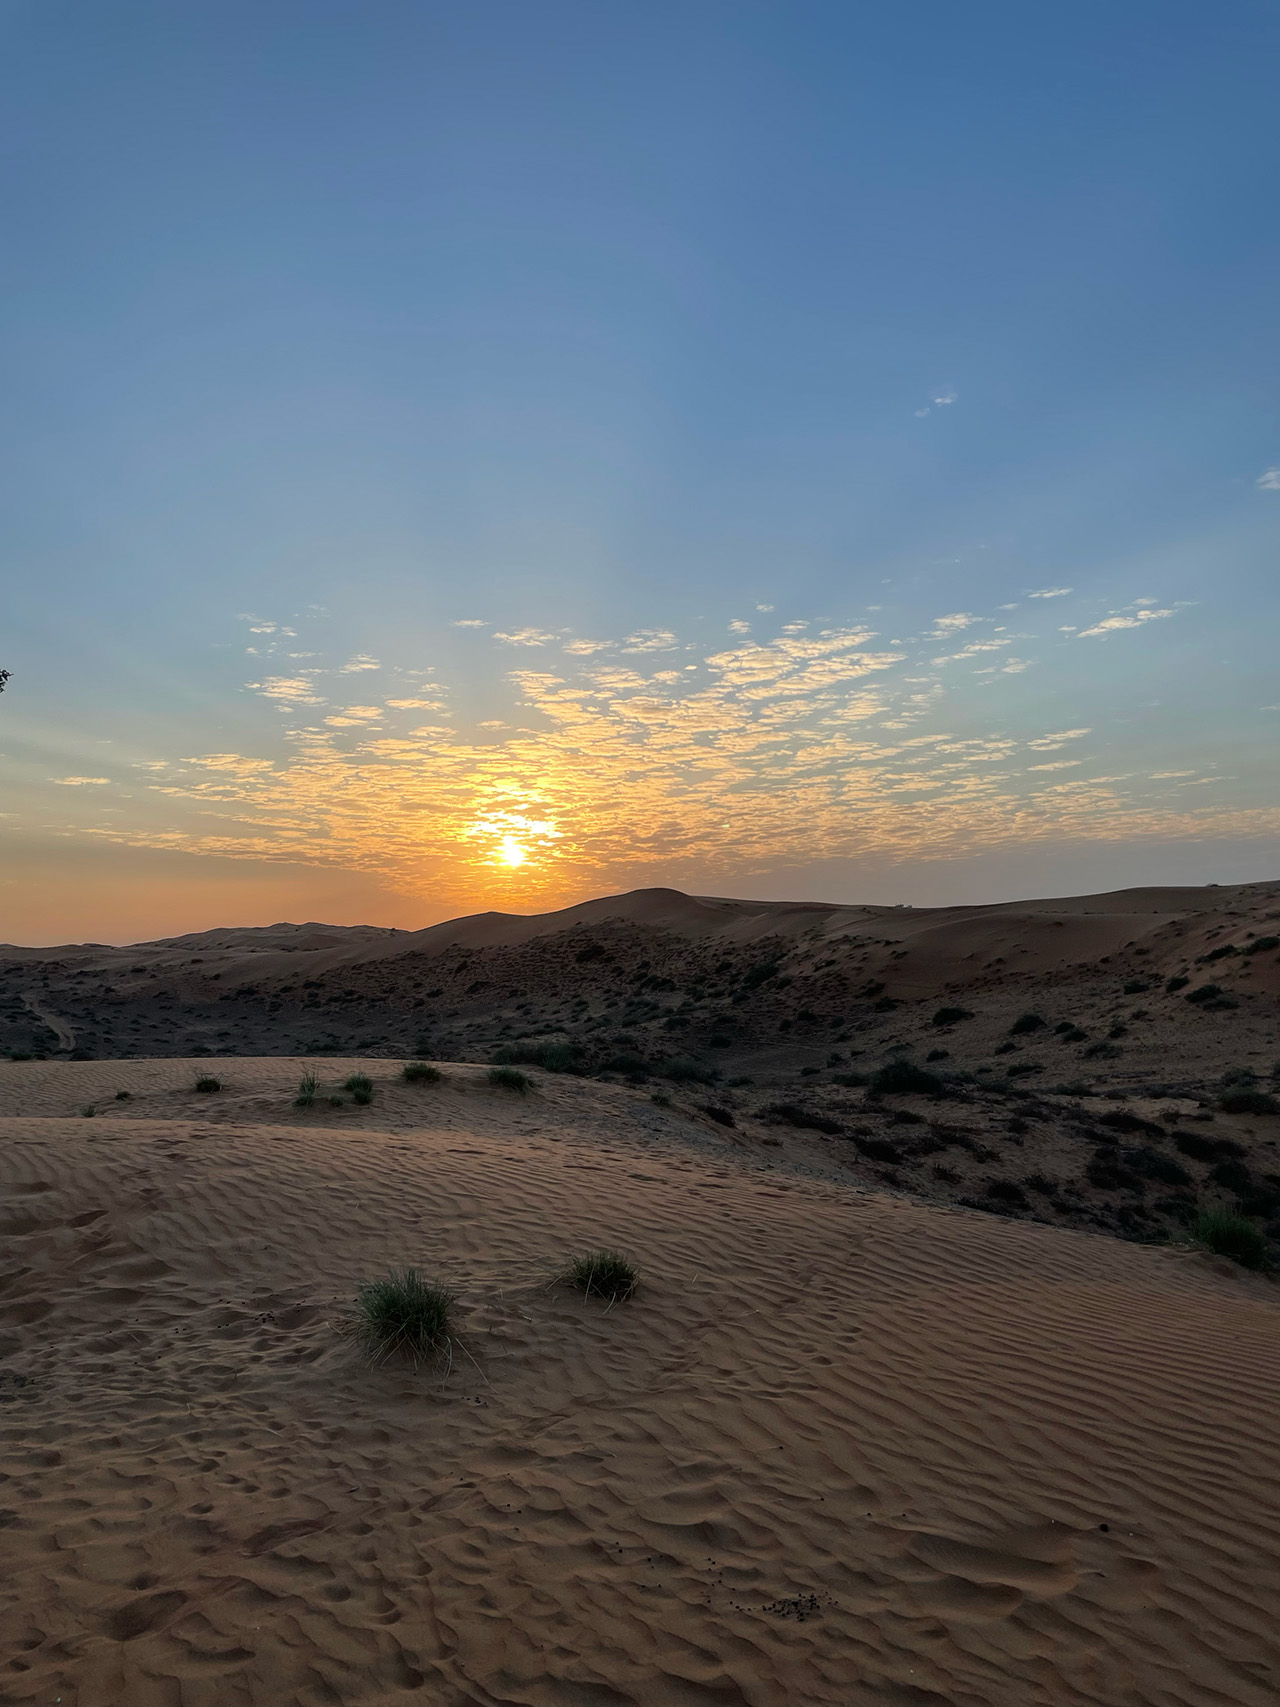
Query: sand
{"x": 840, "y": 1447}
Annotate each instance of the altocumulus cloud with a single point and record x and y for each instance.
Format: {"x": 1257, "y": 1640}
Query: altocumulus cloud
{"x": 818, "y": 743}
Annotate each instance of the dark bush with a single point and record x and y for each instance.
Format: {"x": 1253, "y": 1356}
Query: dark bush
{"x": 951, "y": 1016}
{"x": 791, "y": 1115}
{"x": 1136, "y": 987}
{"x": 1230, "y": 1235}
{"x": 552, "y": 1057}
{"x": 1244, "y": 1101}
{"x": 1261, "y": 944}
{"x": 721, "y": 1116}
{"x": 1205, "y": 1149}
{"x": 684, "y": 1071}
{"x": 1154, "y": 1164}
{"x": 634, "y": 1066}
{"x": 1007, "y": 1191}
{"x": 879, "y": 1150}
{"x": 1105, "y": 1172}
{"x": 1220, "y": 953}
{"x": 1174, "y": 984}
{"x": 754, "y": 976}
{"x": 1205, "y": 993}
{"x": 938, "y": 1055}
{"x": 902, "y": 1078}
{"x": 208, "y": 1083}
{"x": 1025, "y": 1023}
{"x": 1120, "y": 1120}
{"x": 851, "y": 1081}
{"x": 1232, "y": 1176}
{"x": 1021, "y": 1069}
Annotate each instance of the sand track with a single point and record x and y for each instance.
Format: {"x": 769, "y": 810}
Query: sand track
{"x": 841, "y": 1448}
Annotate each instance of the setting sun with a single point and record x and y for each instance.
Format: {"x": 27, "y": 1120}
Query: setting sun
{"x": 510, "y": 852}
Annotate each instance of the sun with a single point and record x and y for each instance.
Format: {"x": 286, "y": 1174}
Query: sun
{"x": 510, "y": 852}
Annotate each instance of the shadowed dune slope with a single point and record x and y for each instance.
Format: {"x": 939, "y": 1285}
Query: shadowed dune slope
{"x": 840, "y": 1448}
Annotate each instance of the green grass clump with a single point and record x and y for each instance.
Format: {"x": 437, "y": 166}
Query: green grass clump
{"x": 602, "y": 1274}
{"x": 88, "y": 1111}
{"x": 552, "y": 1057}
{"x": 208, "y": 1083}
{"x": 1227, "y": 1234}
{"x": 403, "y": 1315}
{"x": 419, "y": 1073}
{"x": 308, "y": 1085}
{"x": 358, "y": 1084}
{"x": 510, "y": 1079}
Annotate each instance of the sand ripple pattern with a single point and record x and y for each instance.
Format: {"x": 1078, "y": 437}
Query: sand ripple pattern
{"x": 840, "y": 1449}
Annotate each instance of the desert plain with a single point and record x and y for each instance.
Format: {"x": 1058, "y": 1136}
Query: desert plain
{"x": 926, "y": 1396}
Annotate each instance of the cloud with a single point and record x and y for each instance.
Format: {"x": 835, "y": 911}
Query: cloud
{"x": 1056, "y": 765}
{"x": 943, "y": 398}
{"x": 585, "y": 648}
{"x": 1051, "y": 593}
{"x": 416, "y": 704}
{"x": 1118, "y": 620}
{"x": 1049, "y": 743}
{"x": 1168, "y": 776}
{"x": 1269, "y": 480}
{"x": 79, "y": 781}
{"x": 361, "y": 661}
{"x": 651, "y": 640}
{"x": 292, "y": 690}
{"x": 525, "y": 637}
{"x": 764, "y": 607}
{"x": 739, "y": 627}
{"x": 947, "y": 625}
{"x": 470, "y": 622}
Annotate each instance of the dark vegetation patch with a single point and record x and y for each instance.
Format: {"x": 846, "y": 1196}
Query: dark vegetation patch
{"x": 789, "y": 1114}
{"x": 951, "y": 1016}
{"x": 1229, "y": 1234}
{"x": 903, "y": 1078}
{"x": 1025, "y": 1023}
{"x": 604, "y": 1273}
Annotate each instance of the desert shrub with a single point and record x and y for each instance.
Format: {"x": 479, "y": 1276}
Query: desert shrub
{"x": 1228, "y": 1234}
{"x": 721, "y": 1116}
{"x": 788, "y": 1113}
{"x": 851, "y": 1081}
{"x": 906, "y": 1117}
{"x": 1101, "y": 1051}
{"x": 419, "y": 1073}
{"x": 1042, "y": 1183}
{"x": 1007, "y": 1191}
{"x": 634, "y": 1066}
{"x": 402, "y": 1315}
{"x": 1154, "y": 1164}
{"x": 1172, "y": 985}
{"x": 661, "y": 1098}
{"x": 1105, "y": 1172}
{"x": 335, "y": 1102}
{"x": 903, "y": 1078}
{"x": 601, "y": 1274}
{"x": 885, "y": 1005}
{"x": 947, "y": 1175}
{"x": 951, "y": 1016}
{"x": 206, "y": 1082}
{"x": 1136, "y": 987}
{"x": 938, "y": 1055}
{"x": 308, "y": 1084}
{"x": 754, "y": 976}
{"x": 509, "y": 1079}
{"x": 1232, "y": 1175}
{"x": 88, "y": 1111}
{"x": 1243, "y": 1101}
{"x": 1120, "y": 1120}
{"x": 123, "y": 1096}
{"x": 1220, "y": 953}
{"x": 1025, "y": 1023}
{"x": 1261, "y": 944}
{"x": 1203, "y": 993}
{"x": 552, "y": 1057}
{"x": 1205, "y": 1149}
{"x": 878, "y": 1149}
{"x": 1020, "y": 1069}
{"x": 684, "y": 1070}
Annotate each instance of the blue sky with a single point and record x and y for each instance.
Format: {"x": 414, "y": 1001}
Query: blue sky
{"x": 589, "y": 322}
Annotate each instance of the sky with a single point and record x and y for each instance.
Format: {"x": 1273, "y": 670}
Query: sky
{"x": 481, "y": 456}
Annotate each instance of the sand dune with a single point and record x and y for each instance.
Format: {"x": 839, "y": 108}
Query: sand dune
{"x": 840, "y": 1448}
